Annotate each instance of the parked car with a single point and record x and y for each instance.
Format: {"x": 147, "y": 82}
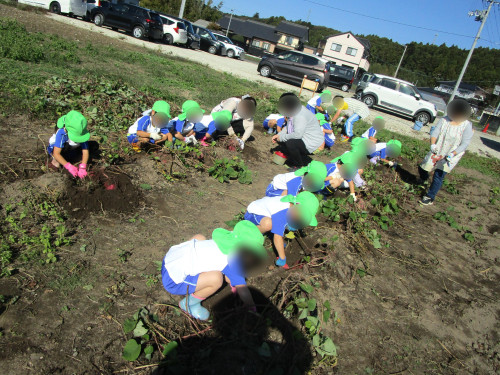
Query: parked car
{"x": 294, "y": 65}
{"x": 398, "y": 96}
{"x": 193, "y": 38}
{"x": 70, "y": 7}
{"x": 141, "y": 22}
{"x": 174, "y": 31}
{"x": 208, "y": 41}
{"x": 363, "y": 81}
{"x": 232, "y": 50}
{"x": 341, "y": 77}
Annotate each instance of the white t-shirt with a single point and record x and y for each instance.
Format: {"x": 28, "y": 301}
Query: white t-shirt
{"x": 313, "y": 102}
{"x": 194, "y": 257}
{"x": 206, "y": 120}
{"x": 280, "y": 181}
{"x": 380, "y": 146}
{"x": 274, "y": 116}
{"x": 267, "y": 206}
{"x": 145, "y": 124}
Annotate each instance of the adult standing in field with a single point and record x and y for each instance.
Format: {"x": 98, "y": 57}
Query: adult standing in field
{"x": 302, "y": 134}
{"x": 449, "y": 140}
{"x": 242, "y": 124}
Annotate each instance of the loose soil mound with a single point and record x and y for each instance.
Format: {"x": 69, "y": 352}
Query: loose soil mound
{"x": 106, "y": 191}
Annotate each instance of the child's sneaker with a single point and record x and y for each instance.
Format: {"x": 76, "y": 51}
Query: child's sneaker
{"x": 426, "y": 201}
{"x": 344, "y": 139}
{"x": 270, "y": 131}
{"x": 281, "y": 263}
{"x": 192, "y": 306}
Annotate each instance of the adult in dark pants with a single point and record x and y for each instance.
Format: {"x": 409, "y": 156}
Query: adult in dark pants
{"x": 449, "y": 140}
{"x": 302, "y": 135}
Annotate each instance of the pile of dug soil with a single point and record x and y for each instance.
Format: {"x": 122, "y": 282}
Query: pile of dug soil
{"x": 105, "y": 191}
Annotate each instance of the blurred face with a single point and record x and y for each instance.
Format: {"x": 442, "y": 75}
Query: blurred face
{"x": 221, "y": 125}
{"x": 347, "y": 172}
{"x": 160, "y": 120}
{"x": 249, "y": 260}
{"x": 378, "y": 124}
{"x": 338, "y": 102}
{"x": 393, "y": 152}
{"x": 311, "y": 184}
{"x": 194, "y": 115}
{"x": 289, "y": 106}
{"x": 294, "y": 220}
{"x": 330, "y": 109}
{"x": 246, "y": 109}
{"x": 458, "y": 110}
{"x": 325, "y": 98}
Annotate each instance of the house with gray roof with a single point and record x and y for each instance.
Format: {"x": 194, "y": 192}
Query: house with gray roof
{"x": 261, "y": 38}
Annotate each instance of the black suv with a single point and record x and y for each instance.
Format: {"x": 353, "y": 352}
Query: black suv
{"x": 193, "y": 38}
{"x": 208, "y": 41}
{"x": 141, "y": 22}
{"x": 341, "y": 77}
{"x": 294, "y": 65}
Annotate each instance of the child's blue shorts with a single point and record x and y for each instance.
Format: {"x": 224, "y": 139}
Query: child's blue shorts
{"x": 329, "y": 142}
{"x": 256, "y": 219}
{"x": 187, "y": 286}
{"x": 265, "y": 124}
{"x": 272, "y": 192}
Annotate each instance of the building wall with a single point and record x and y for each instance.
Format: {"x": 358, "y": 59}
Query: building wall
{"x": 310, "y": 50}
{"x": 341, "y": 57}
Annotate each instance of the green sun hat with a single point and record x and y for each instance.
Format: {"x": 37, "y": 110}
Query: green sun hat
{"x": 189, "y": 106}
{"x": 316, "y": 170}
{"x": 394, "y": 148}
{"x": 308, "y": 205}
{"x": 162, "y": 107}
{"x": 326, "y": 96}
{"x": 245, "y": 234}
{"x": 378, "y": 121}
{"x": 223, "y": 117}
{"x": 76, "y": 126}
{"x": 321, "y": 118}
{"x": 362, "y": 145}
{"x": 351, "y": 160}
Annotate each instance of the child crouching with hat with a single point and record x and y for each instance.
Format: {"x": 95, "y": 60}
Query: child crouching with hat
{"x": 196, "y": 268}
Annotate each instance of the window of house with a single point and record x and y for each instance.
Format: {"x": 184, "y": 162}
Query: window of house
{"x": 266, "y": 46}
{"x": 256, "y": 43}
{"x": 352, "y": 51}
{"x": 336, "y": 47}
{"x": 289, "y": 40}
{"x": 389, "y": 83}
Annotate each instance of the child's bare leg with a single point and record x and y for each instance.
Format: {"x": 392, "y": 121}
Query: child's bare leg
{"x": 266, "y": 224}
{"x": 208, "y": 284}
{"x": 322, "y": 147}
{"x": 199, "y": 237}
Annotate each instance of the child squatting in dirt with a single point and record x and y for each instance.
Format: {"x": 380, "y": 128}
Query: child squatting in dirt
{"x": 310, "y": 178}
{"x": 152, "y": 126}
{"x": 275, "y": 215}
{"x": 196, "y": 268}
{"x": 71, "y": 133}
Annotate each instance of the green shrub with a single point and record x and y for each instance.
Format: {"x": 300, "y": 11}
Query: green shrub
{"x": 18, "y": 44}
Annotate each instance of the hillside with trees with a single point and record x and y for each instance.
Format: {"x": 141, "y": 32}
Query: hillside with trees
{"x": 424, "y": 64}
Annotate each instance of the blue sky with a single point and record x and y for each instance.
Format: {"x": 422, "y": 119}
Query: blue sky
{"x": 445, "y": 15}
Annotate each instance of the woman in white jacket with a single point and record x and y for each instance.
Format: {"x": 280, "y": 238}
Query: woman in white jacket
{"x": 243, "y": 109}
{"x": 449, "y": 140}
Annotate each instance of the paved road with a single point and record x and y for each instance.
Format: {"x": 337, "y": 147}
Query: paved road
{"x": 482, "y": 144}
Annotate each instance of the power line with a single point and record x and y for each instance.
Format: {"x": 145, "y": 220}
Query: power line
{"x": 391, "y": 21}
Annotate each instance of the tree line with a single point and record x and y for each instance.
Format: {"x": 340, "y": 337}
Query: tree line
{"x": 424, "y": 64}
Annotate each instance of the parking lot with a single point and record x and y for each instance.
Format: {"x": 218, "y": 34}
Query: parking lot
{"x": 483, "y": 144}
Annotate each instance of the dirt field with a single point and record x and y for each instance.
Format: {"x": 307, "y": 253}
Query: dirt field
{"x": 414, "y": 294}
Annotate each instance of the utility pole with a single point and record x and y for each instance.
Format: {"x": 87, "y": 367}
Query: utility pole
{"x": 481, "y": 15}
{"x": 181, "y": 11}
{"x": 230, "y": 19}
{"x": 400, "y": 61}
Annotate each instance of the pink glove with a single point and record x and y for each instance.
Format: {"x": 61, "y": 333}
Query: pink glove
{"x": 82, "y": 171}
{"x": 71, "y": 169}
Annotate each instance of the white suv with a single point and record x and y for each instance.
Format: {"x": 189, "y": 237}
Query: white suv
{"x": 232, "y": 50}
{"x": 398, "y": 96}
{"x": 174, "y": 31}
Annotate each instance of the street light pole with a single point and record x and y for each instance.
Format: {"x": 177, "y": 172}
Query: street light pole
{"x": 400, "y": 61}
{"x": 181, "y": 11}
{"x": 230, "y": 19}
{"x": 480, "y": 16}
